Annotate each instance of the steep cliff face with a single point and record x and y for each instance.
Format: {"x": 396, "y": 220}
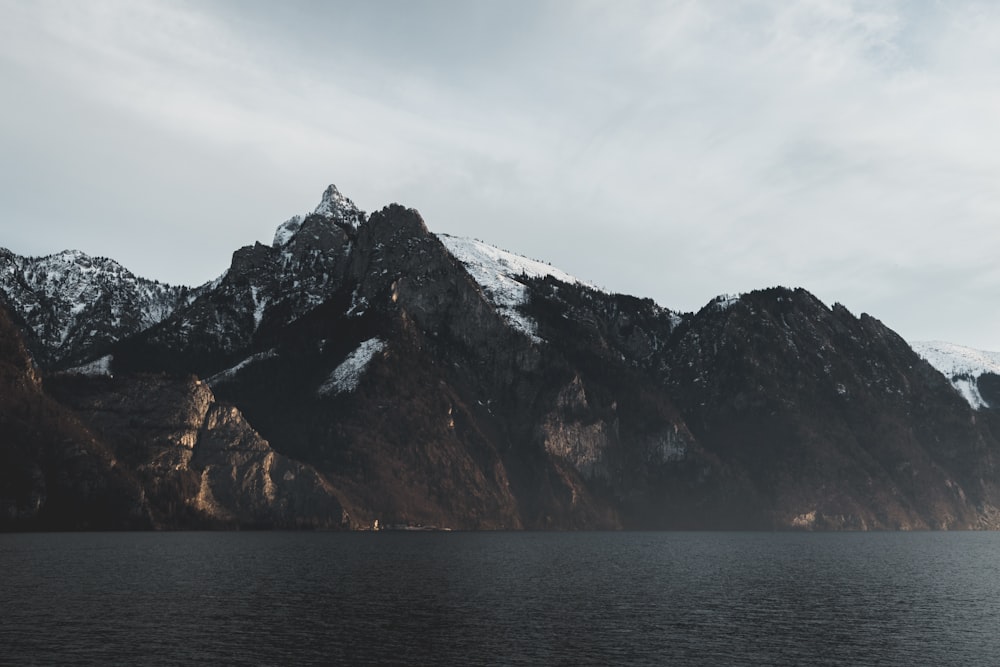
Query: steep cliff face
{"x": 199, "y": 463}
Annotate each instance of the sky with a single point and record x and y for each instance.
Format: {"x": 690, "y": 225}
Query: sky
{"x": 670, "y": 149}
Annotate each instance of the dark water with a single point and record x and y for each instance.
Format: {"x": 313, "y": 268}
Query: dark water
{"x": 500, "y": 598}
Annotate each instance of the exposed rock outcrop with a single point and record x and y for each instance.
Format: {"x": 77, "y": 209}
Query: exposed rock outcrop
{"x": 199, "y": 462}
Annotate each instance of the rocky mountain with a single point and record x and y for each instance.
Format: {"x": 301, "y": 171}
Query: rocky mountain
{"x": 71, "y": 306}
{"x": 144, "y": 451}
{"x": 362, "y": 368}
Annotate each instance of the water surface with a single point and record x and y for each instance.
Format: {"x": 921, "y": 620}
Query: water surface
{"x": 273, "y": 598}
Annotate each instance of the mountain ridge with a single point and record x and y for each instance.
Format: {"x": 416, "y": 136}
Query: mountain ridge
{"x": 433, "y": 380}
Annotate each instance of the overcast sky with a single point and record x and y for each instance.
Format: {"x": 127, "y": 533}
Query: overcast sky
{"x": 675, "y": 150}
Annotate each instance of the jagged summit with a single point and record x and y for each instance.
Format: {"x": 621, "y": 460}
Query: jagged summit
{"x": 336, "y": 206}
{"x": 333, "y": 206}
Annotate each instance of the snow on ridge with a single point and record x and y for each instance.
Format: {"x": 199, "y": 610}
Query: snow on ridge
{"x": 726, "y": 301}
{"x": 954, "y": 360}
{"x": 470, "y": 251}
{"x": 286, "y": 230}
{"x": 230, "y": 373}
{"x": 961, "y": 365}
{"x": 500, "y": 273}
{"x": 347, "y": 376}
{"x": 97, "y": 367}
{"x": 57, "y": 293}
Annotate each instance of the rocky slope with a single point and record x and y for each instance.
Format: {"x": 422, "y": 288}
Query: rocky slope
{"x": 393, "y": 374}
{"x": 71, "y": 306}
{"x": 144, "y": 451}
{"x": 835, "y": 419}
{"x": 265, "y": 289}
{"x": 54, "y": 473}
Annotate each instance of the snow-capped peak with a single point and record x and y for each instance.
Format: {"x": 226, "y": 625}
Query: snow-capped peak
{"x": 334, "y": 206}
{"x": 961, "y": 365}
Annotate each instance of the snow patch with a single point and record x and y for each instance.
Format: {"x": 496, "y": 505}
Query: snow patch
{"x": 97, "y": 367}
{"x": 347, "y": 375}
{"x": 726, "y": 301}
{"x": 961, "y": 365}
{"x": 500, "y": 274}
{"x": 286, "y": 231}
{"x": 258, "y": 305}
{"x": 230, "y": 373}
{"x": 358, "y": 305}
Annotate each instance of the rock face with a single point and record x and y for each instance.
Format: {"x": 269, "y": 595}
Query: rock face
{"x": 140, "y": 452}
{"x": 198, "y": 462}
{"x": 394, "y": 375}
{"x": 265, "y": 289}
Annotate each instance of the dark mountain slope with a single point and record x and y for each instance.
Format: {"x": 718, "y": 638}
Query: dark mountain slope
{"x": 54, "y": 474}
{"x": 834, "y": 418}
{"x": 437, "y": 428}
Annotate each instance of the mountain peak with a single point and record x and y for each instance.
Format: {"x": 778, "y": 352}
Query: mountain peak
{"x": 337, "y": 207}
{"x": 334, "y": 207}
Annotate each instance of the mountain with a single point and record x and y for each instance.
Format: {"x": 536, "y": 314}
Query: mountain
{"x": 835, "y": 418}
{"x": 80, "y": 452}
{"x": 375, "y": 371}
{"x": 72, "y": 306}
{"x": 54, "y": 473}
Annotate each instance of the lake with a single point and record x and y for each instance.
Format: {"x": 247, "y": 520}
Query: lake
{"x": 280, "y": 598}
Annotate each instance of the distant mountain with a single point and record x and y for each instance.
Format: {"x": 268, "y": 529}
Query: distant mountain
{"x": 73, "y": 306}
{"x": 422, "y": 379}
